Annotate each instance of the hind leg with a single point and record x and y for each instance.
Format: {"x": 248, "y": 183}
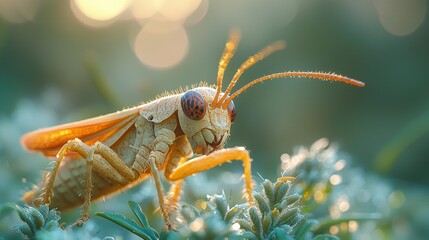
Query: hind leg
{"x": 108, "y": 165}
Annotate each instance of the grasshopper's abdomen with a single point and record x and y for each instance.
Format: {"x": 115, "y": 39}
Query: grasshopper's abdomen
{"x": 70, "y": 181}
{"x": 69, "y": 186}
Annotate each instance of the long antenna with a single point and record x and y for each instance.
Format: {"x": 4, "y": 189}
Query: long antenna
{"x": 227, "y": 54}
{"x": 316, "y": 75}
{"x": 276, "y": 46}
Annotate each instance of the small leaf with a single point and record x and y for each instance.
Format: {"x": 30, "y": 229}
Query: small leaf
{"x": 296, "y": 219}
{"x": 286, "y": 215}
{"x": 262, "y": 203}
{"x": 39, "y": 221}
{"x": 257, "y": 223}
{"x": 44, "y": 210}
{"x": 221, "y": 204}
{"x": 128, "y": 224}
{"x": 24, "y": 214}
{"x": 269, "y": 191}
{"x": 292, "y": 199}
{"x": 266, "y": 223}
{"x": 245, "y": 225}
{"x": 281, "y": 189}
{"x": 231, "y": 213}
{"x": 139, "y": 213}
{"x": 51, "y": 225}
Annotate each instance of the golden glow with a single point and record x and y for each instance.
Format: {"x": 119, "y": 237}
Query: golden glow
{"x": 87, "y": 20}
{"x": 335, "y": 179}
{"x": 344, "y": 205}
{"x": 196, "y": 225}
{"x": 401, "y": 17}
{"x": 235, "y": 226}
{"x": 344, "y": 226}
{"x": 353, "y": 226}
{"x": 203, "y": 204}
{"x": 319, "y": 196}
{"x": 340, "y": 165}
{"x": 177, "y": 10}
{"x": 102, "y": 10}
{"x": 334, "y": 230}
{"x": 161, "y": 46}
{"x": 199, "y": 13}
{"x": 146, "y": 8}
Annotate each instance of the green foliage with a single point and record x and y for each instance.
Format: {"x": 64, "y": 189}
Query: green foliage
{"x": 290, "y": 210}
{"x": 37, "y": 221}
{"x": 314, "y": 168}
{"x": 43, "y": 223}
{"x": 276, "y": 213}
{"x": 141, "y": 229}
{"x": 192, "y": 224}
{"x": 216, "y": 222}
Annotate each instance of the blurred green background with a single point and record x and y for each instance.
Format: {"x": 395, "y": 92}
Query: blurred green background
{"x": 62, "y": 61}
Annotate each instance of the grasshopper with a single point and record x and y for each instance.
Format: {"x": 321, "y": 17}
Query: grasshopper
{"x": 110, "y": 153}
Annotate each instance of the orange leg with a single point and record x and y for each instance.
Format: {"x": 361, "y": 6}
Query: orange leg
{"x": 214, "y": 159}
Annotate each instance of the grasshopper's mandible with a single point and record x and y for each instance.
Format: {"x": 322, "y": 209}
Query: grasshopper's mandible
{"x": 107, "y": 154}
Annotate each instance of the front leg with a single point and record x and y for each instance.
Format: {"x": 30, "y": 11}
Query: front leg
{"x": 154, "y": 141}
{"x": 163, "y": 141}
{"x": 214, "y": 159}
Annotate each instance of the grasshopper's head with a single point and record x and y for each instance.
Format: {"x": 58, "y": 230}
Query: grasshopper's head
{"x": 206, "y": 126}
{"x": 206, "y": 114}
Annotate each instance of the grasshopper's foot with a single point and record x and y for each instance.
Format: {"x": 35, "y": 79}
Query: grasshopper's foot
{"x": 169, "y": 226}
{"x": 80, "y": 221}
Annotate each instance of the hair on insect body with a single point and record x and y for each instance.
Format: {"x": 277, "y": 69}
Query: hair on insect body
{"x": 100, "y": 156}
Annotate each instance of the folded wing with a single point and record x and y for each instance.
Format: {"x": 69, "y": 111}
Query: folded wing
{"x": 107, "y": 129}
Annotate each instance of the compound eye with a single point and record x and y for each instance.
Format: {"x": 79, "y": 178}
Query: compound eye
{"x": 231, "y": 111}
{"x": 193, "y": 105}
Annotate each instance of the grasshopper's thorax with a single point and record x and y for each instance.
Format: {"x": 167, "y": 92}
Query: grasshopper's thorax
{"x": 206, "y": 127}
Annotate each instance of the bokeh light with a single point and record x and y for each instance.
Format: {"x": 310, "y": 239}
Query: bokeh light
{"x": 340, "y": 165}
{"x": 178, "y": 10}
{"x": 142, "y": 9}
{"x": 199, "y": 13}
{"x": 335, "y": 179}
{"x": 101, "y": 10}
{"x": 90, "y": 15}
{"x": 197, "y": 224}
{"x": 161, "y": 46}
{"x": 353, "y": 226}
{"x": 401, "y": 17}
{"x": 334, "y": 229}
